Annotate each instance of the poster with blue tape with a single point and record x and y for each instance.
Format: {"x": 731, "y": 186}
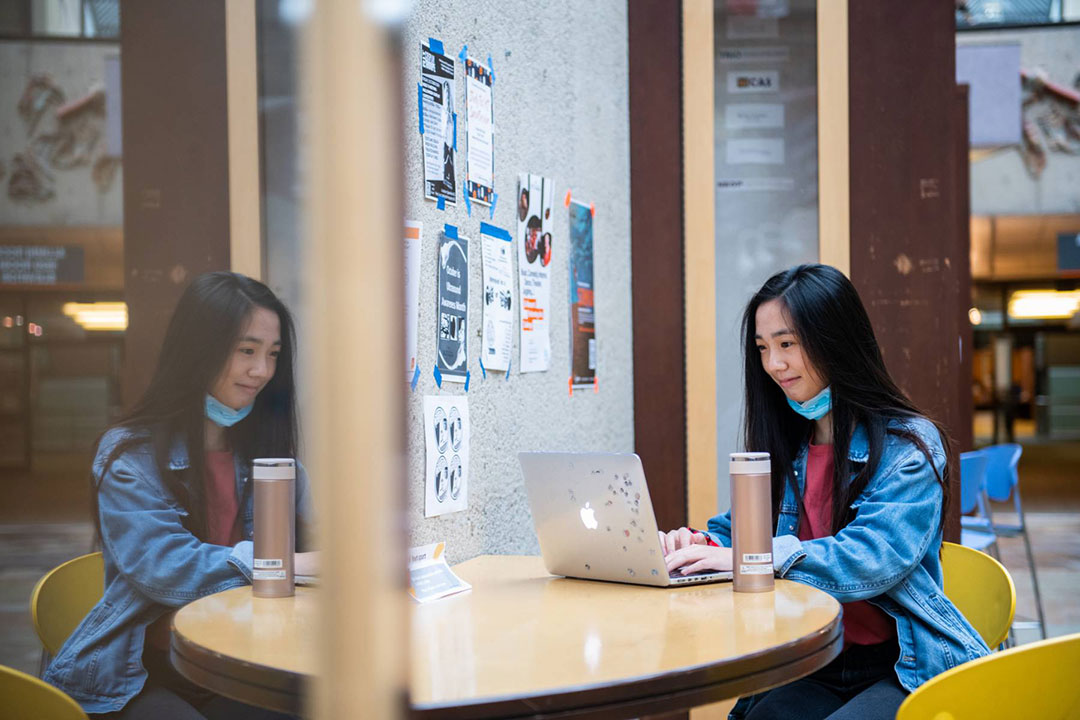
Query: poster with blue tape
{"x": 479, "y": 129}
{"x": 438, "y": 124}
{"x": 582, "y": 308}
{"x": 452, "y": 356}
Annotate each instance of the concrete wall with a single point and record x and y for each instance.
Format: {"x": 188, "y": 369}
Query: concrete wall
{"x": 999, "y": 182}
{"x": 560, "y": 106}
{"x": 76, "y": 69}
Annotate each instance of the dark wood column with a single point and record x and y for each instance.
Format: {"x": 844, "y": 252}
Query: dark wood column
{"x": 656, "y": 222}
{"x": 176, "y": 179}
{"x": 908, "y": 259}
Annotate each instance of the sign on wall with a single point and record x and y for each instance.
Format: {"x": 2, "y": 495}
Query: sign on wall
{"x": 41, "y": 264}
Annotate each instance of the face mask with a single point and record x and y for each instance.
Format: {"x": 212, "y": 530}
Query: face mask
{"x": 224, "y": 415}
{"x": 816, "y": 407}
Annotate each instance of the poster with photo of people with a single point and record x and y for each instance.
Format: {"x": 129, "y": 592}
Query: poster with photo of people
{"x": 582, "y": 307}
{"x": 535, "y": 253}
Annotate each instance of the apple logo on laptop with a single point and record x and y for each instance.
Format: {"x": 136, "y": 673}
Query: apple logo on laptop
{"x": 588, "y": 516}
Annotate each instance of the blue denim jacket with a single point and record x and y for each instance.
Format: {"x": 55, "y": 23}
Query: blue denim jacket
{"x": 888, "y": 554}
{"x": 152, "y": 565}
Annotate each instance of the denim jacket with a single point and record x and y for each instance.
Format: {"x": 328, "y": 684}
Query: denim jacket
{"x": 888, "y": 554}
{"x": 153, "y": 564}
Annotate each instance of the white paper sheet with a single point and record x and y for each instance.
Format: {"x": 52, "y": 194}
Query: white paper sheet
{"x": 414, "y": 233}
{"x": 446, "y": 436}
{"x": 430, "y": 577}
{"x": 499, "y": 301}
{"x": 535, "y": 253}
{"x": 755, "y": 151}
{"x": 480, "y": 161}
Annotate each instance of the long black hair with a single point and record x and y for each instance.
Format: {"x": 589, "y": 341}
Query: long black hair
{"x": 835, "y": 333}
{"x": 202, "y": 334}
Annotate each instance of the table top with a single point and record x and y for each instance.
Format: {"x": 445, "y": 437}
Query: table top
{"x": 525, "y": 642}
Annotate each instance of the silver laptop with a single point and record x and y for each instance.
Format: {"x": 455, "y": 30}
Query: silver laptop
{"x": 595, "y": 521}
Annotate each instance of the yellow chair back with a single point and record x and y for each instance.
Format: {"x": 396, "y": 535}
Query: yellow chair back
{"x": 24, "y": 696}
{"x": 981, "y": 588}
{"x": 1029, "y": 681}
{"x": 63, "y": 597}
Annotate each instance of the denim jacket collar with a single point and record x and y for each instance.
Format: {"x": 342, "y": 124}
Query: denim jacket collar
{"x": 180, "y": 460}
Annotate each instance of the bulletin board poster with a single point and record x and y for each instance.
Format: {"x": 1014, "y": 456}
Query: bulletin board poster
{"x": 452, "y": 313}
{"x": 480, "y": 153}
{"x": 582, "y": 308}
{"x": 535, "y": 252}
{"x": 438, "y": 124}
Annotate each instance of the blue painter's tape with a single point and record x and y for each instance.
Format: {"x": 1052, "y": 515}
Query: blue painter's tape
{"x": 482, "y": 368}
{"x": 491, "y": 69}
{"x": 467, "y": 375}
{"x": 441, "y": 203}
{"x": 493, "y": 231}
{"x": 508, "y": 364}
{"x": 415, "y": 378}
{"x": 464, "y": 51}
{"x": 450, "y": 230}
{"x": 491, "y": 210}
{"x": 438, "y": 376}
{"x": 420, "y": 105}
{"x": 436, "y": 46}
{"x": 468, "y": 202}
{"x": 455, "y": 132}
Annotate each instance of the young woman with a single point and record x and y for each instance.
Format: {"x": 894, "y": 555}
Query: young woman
{"x": 859, "y": 493}
{"x": 173, "y": 499}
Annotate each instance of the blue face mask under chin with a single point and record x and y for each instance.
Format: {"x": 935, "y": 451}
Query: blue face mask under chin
{"x": 816, "y": 407}
{"x": 223, "y": 415}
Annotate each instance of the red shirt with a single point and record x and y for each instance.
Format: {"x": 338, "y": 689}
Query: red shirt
{"x": 864, "y": 624}
{"x": 222, "y": 524}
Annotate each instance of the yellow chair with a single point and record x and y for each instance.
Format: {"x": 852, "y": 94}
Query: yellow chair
{"x": 1029, "y": 681}
{"x": 63, "y": 597}
{"x": 981, "y": 589}
{"x": 24, "y": 697}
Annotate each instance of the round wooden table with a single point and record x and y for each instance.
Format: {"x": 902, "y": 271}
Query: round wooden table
{"x": 525, "y": 644}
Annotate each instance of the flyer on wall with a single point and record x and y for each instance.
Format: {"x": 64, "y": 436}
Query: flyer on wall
{"x": 479, "y": 123}
{"x": 452, "y": 312}
{"x": 446, "y": 436}
{"x": 497, "y": 247}
{"x": 438, "y": 124}
{"x": 413, "y": 233}
{"x": 582, "y": 308}
{"x": 535, "y": 195}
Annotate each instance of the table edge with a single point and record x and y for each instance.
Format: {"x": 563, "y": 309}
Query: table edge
{"x": 707, "y": 682}
{"x": 253, "y": 683}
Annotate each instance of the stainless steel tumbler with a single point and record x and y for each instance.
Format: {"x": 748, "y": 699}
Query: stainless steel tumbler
{"x": 275, "y": 526}
{"x": 751, "y": 521}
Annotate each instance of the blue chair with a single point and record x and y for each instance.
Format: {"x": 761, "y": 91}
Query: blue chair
{"x": 976, "y": 531}
{"x": 1003, "y": 483}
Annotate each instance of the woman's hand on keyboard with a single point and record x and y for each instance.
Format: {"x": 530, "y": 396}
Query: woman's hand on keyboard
{"x": 678, "y": 539}
{"x": 699, "y": 558}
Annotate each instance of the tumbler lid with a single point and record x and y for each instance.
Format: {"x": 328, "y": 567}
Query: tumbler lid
{"x": 750, "y": 463}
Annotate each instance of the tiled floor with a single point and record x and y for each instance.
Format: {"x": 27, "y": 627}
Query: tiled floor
{"x": 26, "y": 553}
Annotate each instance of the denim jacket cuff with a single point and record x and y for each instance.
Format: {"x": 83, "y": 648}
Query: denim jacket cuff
{"x": 243, "y": 557}
{"x": 787, "y": 550}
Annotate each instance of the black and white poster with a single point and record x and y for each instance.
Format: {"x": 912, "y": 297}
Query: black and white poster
{"x": 438, "y": 124}
{"x": 452, "y": 313}
{"x": 446, "y": 436}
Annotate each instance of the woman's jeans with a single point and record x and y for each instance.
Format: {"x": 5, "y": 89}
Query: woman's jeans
{"x": 860, "y": 684}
